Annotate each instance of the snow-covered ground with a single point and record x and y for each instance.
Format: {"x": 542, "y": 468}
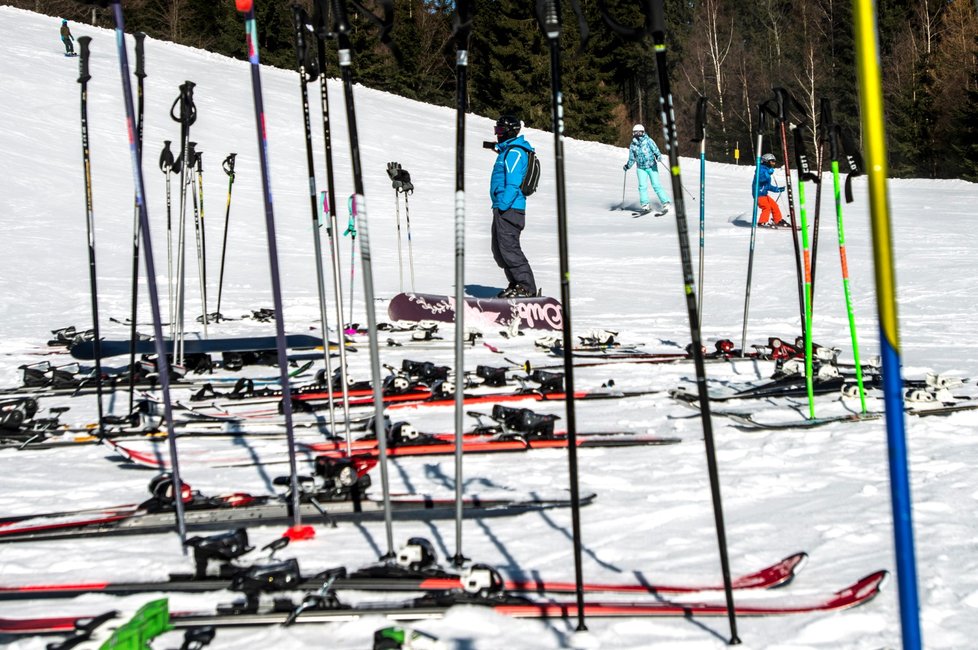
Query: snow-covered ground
{"x": 825, "y": 491}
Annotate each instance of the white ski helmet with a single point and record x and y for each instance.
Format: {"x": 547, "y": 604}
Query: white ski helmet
{"x": 638, "y": 128}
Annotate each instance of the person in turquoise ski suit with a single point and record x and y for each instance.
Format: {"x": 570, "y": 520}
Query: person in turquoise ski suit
{"x": 67, "y": 38}
{"x": 643, "y": 153}
{"x": 509, "y": 208}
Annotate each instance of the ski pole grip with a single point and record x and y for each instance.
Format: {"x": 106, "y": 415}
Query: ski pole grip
{"x": 140, "y": 67}
{"x": 781, "y": 96}
{"x": 166, "y": 158}
{"x": 83, "y": 45}
{"x": 229, "y": 164}
{"x": 549, "y": 18}
{"x": 700, "y": 120}
{"x": 188, "y": 112}
{"x": 657, "y": 16}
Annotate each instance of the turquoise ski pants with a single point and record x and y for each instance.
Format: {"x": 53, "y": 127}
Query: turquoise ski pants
{"x": 646, "y": 176}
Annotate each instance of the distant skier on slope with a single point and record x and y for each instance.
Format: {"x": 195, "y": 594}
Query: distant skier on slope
{"x": 644, "y": 153}
{"x": 509, "y": 208}
{"x": 67, "y": 38}
{"x": 762, "y": 185}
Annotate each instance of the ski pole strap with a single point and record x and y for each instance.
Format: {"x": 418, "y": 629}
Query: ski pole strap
{"x": 853, "y": 160}
{"x": 630, "y": 33}
{"x": 228, "y": 165}
{"x": 188, "y": 112}
{"x": 324, "y": 212}
{"x": 351, "y": 226}
{"x": 303, "y": 53}
{"x": 802, "y": 165}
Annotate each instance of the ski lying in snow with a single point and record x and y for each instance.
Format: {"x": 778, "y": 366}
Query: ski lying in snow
{"x": 425, "y": 445}
{"x": 434, "y": 399}
{"x": 112, "y": 348}
{"x": 526, "y": 313}
{"x": 245, "y": 510}
{"x": 790, "y": 386}
{"x": 747, "y": 421}
{"x": 339, "y": 495}
{"x": 434, "y": 606}
{"x": 395, "y": 578}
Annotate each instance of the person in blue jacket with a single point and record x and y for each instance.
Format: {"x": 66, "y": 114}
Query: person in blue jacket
{"x": 643, "y": 153}
{"x": 509, "y": 208}
{"x": 763, "y": 183}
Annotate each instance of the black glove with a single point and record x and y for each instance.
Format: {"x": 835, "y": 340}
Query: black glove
{"x": 400, "y": 178}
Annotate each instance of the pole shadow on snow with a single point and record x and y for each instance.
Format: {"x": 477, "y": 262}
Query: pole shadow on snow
{"x": 434, "y": 471}
{"x": 241, "y": 441}
{"x": 563, "y": 531}
{"x": 368, "y": 538}
{"x": 408, "y": 484}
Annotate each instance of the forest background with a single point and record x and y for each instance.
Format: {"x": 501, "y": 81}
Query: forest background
{"x": 731, "y": 52}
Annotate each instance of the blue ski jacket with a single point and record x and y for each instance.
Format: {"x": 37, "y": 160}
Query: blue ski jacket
{"x": 762, "y": 183}
{"x": 644, "y": 152}
{"x": 507, "y": 174}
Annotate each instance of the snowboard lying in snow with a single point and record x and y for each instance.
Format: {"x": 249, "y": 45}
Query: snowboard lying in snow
{"x": 530, "y": 313}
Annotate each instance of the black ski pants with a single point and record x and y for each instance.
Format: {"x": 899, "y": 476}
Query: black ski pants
{"x": 507, "y": 226}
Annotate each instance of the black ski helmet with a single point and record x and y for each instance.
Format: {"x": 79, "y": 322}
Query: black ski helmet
{"x": 507, "y": 127}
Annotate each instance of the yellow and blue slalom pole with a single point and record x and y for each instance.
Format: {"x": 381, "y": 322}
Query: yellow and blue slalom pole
{"x": 873, "y": 126}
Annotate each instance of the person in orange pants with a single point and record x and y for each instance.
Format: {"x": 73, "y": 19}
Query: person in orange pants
{"x": 762, "y": 185}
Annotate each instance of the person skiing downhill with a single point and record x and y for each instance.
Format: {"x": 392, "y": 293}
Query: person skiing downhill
{"x": 509, "y": 208}
{"x": 67, "y": 38}
{"x": 643, "y": 153}
{"x": 762, "y": 185}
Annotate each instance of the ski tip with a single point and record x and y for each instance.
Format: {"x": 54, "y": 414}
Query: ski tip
{"x": 792, "y": 565}
{"x": 299, "y": 533}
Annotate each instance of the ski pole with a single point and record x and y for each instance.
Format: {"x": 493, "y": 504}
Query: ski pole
{"x": 83, "y": 78}
{"x": 655, "y": 24}
{"x": 140, "y": 76}
{"x": 549, "y": 17}
{"x": 464, "y": 16}
{"x": 407, "y": 223}
{"x": 251, "y": 37}
{"x": 203, "y": 237}
{"x": 166, "y": 166}
{"x": 874, "y": 137}
{"x": 392, "y": 171}
{"x": 163, "y": 364}
{"x": 193, "y": 160}
{"x": 624, "y": 181}
{"x": 351, "y": 230}
{"x": 761, "y": 112}
{"x": 823, "y": 137}
{"x": 186, "y": 116}
{"x": 700, "y": 137}
{"x": 343, "y": 29}
{"x": 322, "y": 31}
{"x": 854, "y": 165}
{"x": 308, "y": 68}
{"x": 228, "y": 167}
{"x": 805, "y": 173}
{"x": 783, "y": 98}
